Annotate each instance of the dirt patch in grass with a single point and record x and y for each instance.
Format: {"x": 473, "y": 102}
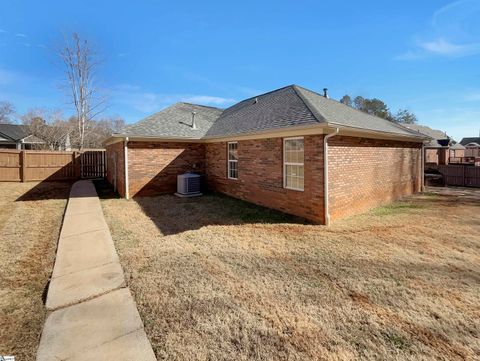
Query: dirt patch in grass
{"x": 220, "y": 279}
{"x": 30, "y": 221}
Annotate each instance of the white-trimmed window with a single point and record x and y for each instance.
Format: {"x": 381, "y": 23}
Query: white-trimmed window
{"x": 293, "y": 168}
{"x": 232, "y": 160}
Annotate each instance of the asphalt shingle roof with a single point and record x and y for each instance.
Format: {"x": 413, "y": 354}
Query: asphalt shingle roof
{"x": 466, "y": 141}
{"x": 457, "y": 146}
{"x": 175, "y": 121}
{"x": 281, "y": 108}
{"x": 335, "y": 112}
{"x": 14, "y": 132}
{"x": 423, "y": 129}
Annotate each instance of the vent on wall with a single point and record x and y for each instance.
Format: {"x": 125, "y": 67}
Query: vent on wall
{"x": 188, "y": 185}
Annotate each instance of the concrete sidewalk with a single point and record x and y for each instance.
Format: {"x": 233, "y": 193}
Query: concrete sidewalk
{"x": 93, "y": 313}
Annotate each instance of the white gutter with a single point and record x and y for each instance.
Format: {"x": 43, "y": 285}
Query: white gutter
{"x": 126, "y": 167}
{"x": 325, "y": 174}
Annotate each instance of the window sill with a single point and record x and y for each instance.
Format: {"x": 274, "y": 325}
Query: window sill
{"x": 295, "y": 189}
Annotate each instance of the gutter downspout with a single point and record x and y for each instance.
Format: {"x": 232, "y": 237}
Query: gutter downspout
{"x": 422, "y": 169}
{"x": 126, "y": 167}
{"x": 325, "y": 175}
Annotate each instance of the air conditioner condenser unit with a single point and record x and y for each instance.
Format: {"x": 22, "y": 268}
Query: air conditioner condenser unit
{"x": 188, "y": 185}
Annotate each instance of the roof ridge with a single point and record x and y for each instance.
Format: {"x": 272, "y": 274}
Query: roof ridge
{"x": 261, "y": 95}
{"x": 317, "y": 115}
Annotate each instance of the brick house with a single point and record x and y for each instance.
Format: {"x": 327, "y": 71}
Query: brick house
{"x": 276, "y": 150}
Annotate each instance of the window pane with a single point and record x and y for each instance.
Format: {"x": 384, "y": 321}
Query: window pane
{"x": 294, "y": 150}
{"x": 232, "y": 151}
{"x": 294, "y": 176}
{"x": 294, "y": 160}
{"x": 232, "y": 169}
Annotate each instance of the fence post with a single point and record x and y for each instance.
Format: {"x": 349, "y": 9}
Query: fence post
{"x": 23, "y": 158}
{"x": 76, "y": 164}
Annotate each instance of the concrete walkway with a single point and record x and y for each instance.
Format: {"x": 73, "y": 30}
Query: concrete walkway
{"x": 94, "y": 316}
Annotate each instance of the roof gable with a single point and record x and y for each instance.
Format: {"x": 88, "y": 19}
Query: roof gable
{"x": 457, "y": 146}
{"x": 277, "y": 109}
{"x": 175, "y": 121}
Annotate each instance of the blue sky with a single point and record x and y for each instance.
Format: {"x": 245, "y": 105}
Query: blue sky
{"x": 420, "y": 55}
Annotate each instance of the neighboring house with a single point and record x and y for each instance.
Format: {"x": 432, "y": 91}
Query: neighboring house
{"x": 457, "y": 153}
{"x": 13, "y": 136}
{"x": 290, "y": 149}
{"x": 437, "y": 151}
{"x": 472, "y": 146}
{"x": 468, "y": 140}
{"x": 472, "y": 150}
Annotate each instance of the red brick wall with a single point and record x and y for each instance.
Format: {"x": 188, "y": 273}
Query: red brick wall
{"x": 153, "y": 166}
{"x": 364, "y": 173}
{"x": 260, "y": 176}
{"x": 116, "y": 166}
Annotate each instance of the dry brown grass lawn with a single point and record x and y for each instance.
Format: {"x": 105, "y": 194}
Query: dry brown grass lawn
{"x": 219, "y": 279}
{"x": 30, "y": 221}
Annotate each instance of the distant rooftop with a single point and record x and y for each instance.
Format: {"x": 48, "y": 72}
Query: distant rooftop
{"x": 14, "y": 132}
{"x": 466, "y": 141}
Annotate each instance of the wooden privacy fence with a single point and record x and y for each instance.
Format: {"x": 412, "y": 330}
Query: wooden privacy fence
{"x": 460, "y": 175}
{"x": 40, "y": 165}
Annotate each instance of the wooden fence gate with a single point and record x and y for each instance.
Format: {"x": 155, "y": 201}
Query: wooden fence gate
{"x": 92, "y": 164}
{"x": 460, "y": 175}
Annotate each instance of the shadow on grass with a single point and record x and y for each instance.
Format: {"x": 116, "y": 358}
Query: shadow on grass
{"x": 173, "y": 215}
{"x": 47, "y": 190}
{"x": 105, "y": 189}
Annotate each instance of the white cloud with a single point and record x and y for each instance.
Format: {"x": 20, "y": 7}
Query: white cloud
{"x": 149, "y": 102}
{"x": 20, "y": 35}
{"x": 2, "y": 31}
{"x": 454, "y": 31}
{"x": 441, "y": 46}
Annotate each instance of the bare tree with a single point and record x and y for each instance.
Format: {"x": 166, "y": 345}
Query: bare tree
{"x": 6, "y": 112}
{"x": 80, "y": 65}
{"x": 48, "y": 126}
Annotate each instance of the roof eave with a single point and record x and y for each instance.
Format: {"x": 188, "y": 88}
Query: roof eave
{"x": 319, "y": 128}
{"x": 387, "y": 135}
{"x": 115, "y": 138}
